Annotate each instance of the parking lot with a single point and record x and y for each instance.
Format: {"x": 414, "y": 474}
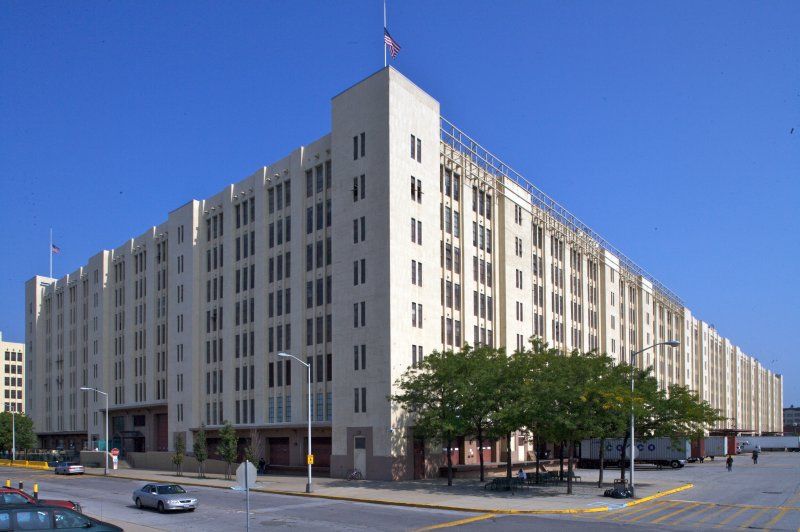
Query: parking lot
{"x": 764, "y": 496}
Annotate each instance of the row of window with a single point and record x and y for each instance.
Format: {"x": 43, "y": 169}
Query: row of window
{"x": 280, "y": 231}
{"x": 328, "y": 330}
{"x": 323, "y": 178}
{"x": 322, "y": 217}
{"x": 242, "y": 210}
{"x": 279, "y": 196}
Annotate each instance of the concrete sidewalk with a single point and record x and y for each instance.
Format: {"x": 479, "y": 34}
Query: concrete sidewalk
{"x": 465, "y": 495}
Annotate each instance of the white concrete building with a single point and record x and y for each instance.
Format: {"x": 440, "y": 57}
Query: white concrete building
{"x": 13, "y": 375}
{"x": 394, "y": 235}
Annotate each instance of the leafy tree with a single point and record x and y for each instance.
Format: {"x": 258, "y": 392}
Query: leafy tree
{"x": 481, "y": 390}
{"x": 431, "y": 393}
{"x": 22, "y": 427}
{"x": 228, "y": 446}
{"x": 201, "y": 451}
{"x": 675, "y": 412}
{"x": 180, "y": 454}
{"x": 531, "y": 389}
{"x": 610, "y": 418}
{"x": 253, "y": 452}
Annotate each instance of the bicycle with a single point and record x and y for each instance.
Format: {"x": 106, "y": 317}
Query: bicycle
{"x": 355, "y": 474}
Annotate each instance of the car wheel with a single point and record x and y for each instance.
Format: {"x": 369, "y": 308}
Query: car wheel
{"x": 138, "y": 503}
{"x": 675, "y": 464}
{"x": 191, "y": 509}
{"x": 160, "y": 507}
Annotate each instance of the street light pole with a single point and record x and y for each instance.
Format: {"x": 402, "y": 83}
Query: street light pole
{"x": 87, "y": 389}
{"x": 13, "y": 436}
{"x": 308, "y": 461}
{"x": 670, "y": 343}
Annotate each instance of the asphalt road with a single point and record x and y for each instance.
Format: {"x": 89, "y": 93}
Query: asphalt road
{"x": 764, "y": 496}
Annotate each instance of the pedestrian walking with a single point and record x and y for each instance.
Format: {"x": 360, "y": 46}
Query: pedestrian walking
{"x": 755, "y": 456}
{"x": 729, "y": 463}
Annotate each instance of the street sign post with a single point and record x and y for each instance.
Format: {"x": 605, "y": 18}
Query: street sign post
{"x": 246, "y": 478}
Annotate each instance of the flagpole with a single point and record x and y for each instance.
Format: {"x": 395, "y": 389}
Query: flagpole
{"x": 384, "y": 32}
{"x": 51, "y": 252}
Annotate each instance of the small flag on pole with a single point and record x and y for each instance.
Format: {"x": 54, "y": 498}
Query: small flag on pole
{"x": 55, "y": 249}
{"x": 394, "y": 48}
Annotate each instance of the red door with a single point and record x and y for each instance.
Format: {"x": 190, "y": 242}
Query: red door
{"x": 321, "y": 447}
{"x": 279, "y": 451}
{"x": 162, "y": 438}
{"x": 419, "y": 459}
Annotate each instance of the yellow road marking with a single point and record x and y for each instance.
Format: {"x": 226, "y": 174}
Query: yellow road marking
{"x": 731, "y": 517}
{"x": 753, "y": 519}
{"x": 694, "y": 515}
{"x": 772, "y": 522}
{"x": 460, "y": 522}
{"x": 663, "y": 507}
{"x": 672, "y": 514}
{"x": 714, "y": 513}
{"x": 641, "y": 509}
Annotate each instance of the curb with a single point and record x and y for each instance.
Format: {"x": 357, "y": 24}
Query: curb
{"x": 387, "y": 502}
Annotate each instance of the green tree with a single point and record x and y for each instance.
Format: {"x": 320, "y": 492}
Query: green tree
{"x": 22, "y": 427}
{"x": 180, "y": 454}
{"x": 610, "y": 419}
{"x": 675, "y": 412}
{"x": 228, "y": 446}
{"x": 529, "y": 388}
{"x": 201, "y": 451}
{"x": 431, "y": 394}
{"x": 480, "y": 390}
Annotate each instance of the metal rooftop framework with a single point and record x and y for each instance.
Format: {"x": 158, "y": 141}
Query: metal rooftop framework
{"x": 483, "y": 158}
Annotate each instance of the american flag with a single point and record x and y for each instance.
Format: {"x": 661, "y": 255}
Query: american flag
{"x": 394, "y": 48}
{"x": 55, "y": 248}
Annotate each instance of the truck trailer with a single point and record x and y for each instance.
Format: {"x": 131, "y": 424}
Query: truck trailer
{"x": 710, "y": 447}
{"x": 769, "y": 443}
{"x": 657, "y": 451}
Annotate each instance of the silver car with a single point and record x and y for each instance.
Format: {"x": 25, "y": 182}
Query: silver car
{"x": 68, "y": 468}
{"x": 164, "y": 497}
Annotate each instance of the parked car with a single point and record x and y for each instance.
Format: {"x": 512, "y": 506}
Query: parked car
{"x": 41, "y": 517}
{"x": 17, "y": 496}
{"x": 164, "y": 497}
{"x": 68, "y": 468}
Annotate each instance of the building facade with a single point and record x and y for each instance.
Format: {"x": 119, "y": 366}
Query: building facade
{"x": 394, "y": 235}
{"x": 13, "y": 376}
{"x": 791, "y": 420}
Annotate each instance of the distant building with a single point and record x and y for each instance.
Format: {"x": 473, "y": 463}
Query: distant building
{"x": 791, "y": 420}
{"x": 344, "y": 254}
{"x": 13, "y": 375}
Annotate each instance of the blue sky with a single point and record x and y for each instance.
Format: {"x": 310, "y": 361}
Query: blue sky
{"x": 666, "y": 126}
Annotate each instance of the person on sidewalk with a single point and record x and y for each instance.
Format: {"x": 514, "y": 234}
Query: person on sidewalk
{"x": 729, "y": 462}
{"x": 755, "y": 456}
{"x": 522, "y": 475}
{"x": 262, "y": 466}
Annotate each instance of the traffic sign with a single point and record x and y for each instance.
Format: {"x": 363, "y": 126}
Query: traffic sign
{"x": 246, "y": 475}
{"x": 310, "y": 459}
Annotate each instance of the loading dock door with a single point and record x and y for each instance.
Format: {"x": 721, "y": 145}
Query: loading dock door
{"x": 279, "y": 451}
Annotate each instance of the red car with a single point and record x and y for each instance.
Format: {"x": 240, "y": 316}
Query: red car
{"x": 17, "y": 496}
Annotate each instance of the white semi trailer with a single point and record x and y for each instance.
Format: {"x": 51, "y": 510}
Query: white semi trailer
{"x": 768, "y": 443}
{"x": 658, "y": 451}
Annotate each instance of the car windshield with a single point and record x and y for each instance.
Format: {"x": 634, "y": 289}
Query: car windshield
{"x": 172, "y": 489}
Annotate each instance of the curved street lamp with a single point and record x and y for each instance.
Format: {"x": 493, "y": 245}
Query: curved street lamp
{"x": 87, "y": 389}
{"x": 308, "y": 460}
{"x": 670, "y": 343}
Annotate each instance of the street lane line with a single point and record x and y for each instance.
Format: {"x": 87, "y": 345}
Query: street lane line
{"x": 638, "y": 510}
{"x": 673, "y": 514}
{"x": 774, "y": 521}
{"x": 731, "y": 517}
{"x": 664, "y": 507}
{"x": 752, "y": 520}
{"x": 693, "y": 515}
{"x": 460, "y": 522}
{"x": 715, "y": 513}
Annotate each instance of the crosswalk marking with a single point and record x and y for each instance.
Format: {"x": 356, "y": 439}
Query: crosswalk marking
{"x": 651, "y": 512}
{"x": 753, "y": 519}
{"x": 731, "y": 517}
{"x": 635, "y": 511}
{"x": 772, "y": 522}
{"x": 673, "y": 514}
